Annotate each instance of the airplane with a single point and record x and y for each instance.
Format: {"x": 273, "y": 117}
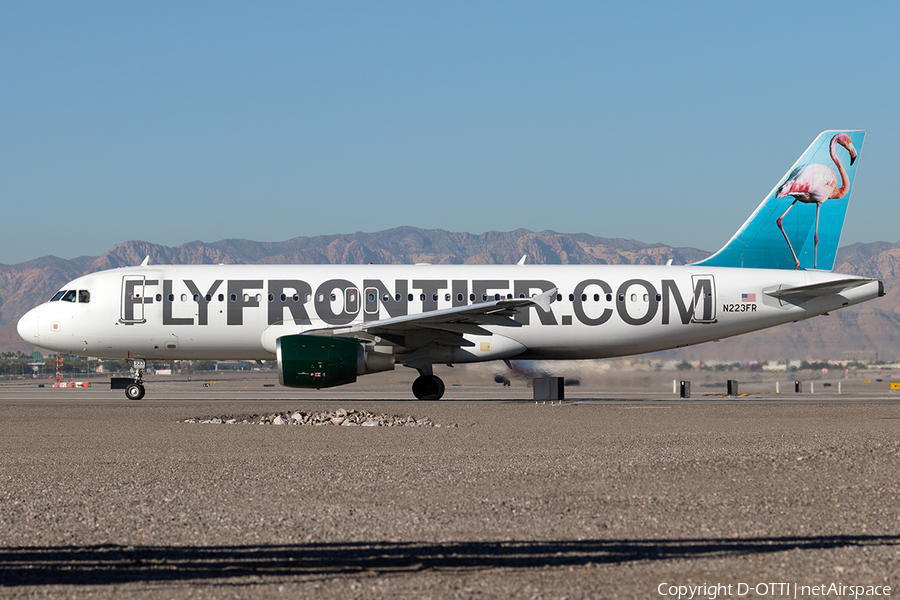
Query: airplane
{"x": 326, "y": 325}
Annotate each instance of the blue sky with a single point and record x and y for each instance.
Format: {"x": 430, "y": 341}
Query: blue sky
{"x": 662, "y": 122}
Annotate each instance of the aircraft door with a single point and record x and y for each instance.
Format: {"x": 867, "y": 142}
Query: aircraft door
{"x": 371, "y": 303}
{"x": 132, "y": 310}
{"x": 704, "y": 299}
{"x": 351, "y": 300}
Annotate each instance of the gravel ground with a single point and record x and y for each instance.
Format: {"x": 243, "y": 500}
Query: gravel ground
{"x": 583, "y": 500}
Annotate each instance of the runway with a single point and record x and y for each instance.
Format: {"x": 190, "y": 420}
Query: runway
{"x": 609, "y": 495}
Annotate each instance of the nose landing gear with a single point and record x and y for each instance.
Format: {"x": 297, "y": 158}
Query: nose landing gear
{"x": 134, "y": 391}
{"x": 134, "y": 385}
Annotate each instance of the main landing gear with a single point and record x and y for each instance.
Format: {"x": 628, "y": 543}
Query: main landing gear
{"x": 428, "y": 387}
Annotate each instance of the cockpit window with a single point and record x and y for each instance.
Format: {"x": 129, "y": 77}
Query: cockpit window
{"x": 84, "y": 296}
{"x": 69, "y": 296}
{"x": 57, "y": 296}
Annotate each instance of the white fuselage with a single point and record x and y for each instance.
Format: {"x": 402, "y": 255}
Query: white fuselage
{"x": 238, "y": 311}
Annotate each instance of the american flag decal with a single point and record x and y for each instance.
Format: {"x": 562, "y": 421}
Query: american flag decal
{"x": 748, "y": 297}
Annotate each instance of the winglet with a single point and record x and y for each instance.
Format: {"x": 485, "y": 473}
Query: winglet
{"x": 146, "y": 261}
{"x": 522, "y": 260}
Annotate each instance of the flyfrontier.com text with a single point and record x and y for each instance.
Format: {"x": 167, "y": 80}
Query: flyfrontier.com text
{"x": 771, "y": 590}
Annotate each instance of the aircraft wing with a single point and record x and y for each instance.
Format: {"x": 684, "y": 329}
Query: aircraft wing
{"x": 448, "y": 324}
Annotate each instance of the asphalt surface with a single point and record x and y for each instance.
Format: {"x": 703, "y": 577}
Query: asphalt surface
{"x": 606, "y": 497}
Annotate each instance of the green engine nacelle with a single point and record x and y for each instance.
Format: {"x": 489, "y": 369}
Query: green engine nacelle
{"x": 311, "y": 361}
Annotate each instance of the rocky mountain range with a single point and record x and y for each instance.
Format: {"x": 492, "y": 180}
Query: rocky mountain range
{"x": 869, "y": 328}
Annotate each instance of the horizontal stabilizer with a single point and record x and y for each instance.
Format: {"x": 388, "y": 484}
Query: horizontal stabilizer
{"x": 815, "y": 290}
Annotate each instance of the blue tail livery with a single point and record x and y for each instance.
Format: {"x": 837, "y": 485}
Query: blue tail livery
{"x": 798, "y": 225}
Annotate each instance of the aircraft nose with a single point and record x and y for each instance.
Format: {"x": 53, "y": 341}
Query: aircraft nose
{"x": 29, "y": 327}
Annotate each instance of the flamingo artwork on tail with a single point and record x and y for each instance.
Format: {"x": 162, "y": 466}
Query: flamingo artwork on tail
{"x": 814, "y": 184}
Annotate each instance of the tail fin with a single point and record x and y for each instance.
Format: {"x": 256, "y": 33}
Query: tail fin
{"x": 810, "y": 201}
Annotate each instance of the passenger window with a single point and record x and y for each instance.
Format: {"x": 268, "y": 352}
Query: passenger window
{"x": 221, "y": 297}
{"x": 69, "y": 296}
{"x": 57, "y": 295}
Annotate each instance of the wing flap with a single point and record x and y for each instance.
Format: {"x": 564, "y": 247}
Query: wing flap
{"x": 458, "y": 328}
